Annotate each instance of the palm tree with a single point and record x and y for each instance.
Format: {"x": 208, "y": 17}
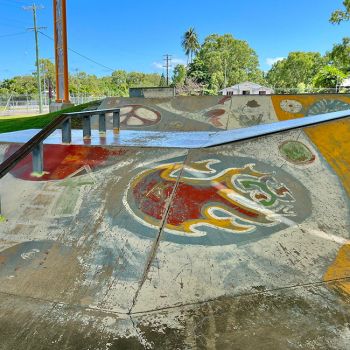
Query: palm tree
{"x": 190, "y": 43}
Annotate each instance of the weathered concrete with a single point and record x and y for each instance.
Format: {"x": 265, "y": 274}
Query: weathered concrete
{"x": 209, "y": 113}
{"x": 243, "y": 246}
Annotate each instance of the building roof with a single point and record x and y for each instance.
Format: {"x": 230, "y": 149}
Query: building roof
{"x": 346, "y": 82}
{"x": 245, "y": 84}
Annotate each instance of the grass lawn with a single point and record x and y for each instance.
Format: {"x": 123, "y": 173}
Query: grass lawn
{"x": 6, "y": 117}
{"x": 40, "y": 121}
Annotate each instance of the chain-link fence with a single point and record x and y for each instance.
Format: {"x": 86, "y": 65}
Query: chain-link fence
{"x": 29, "y": 104}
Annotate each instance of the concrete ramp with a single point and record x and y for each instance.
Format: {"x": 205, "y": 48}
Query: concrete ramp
{"x": 215, "y": 113}
{"x": 242, "y": 246}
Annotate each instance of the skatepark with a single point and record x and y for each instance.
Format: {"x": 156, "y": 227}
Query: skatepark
{"x": 175, "y": 233}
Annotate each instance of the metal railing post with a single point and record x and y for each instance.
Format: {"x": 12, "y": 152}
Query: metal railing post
{"x": 116, "y": 121}
{"x": 67, "y": 131}
{"x": 38, "y": 159}
{"x": 102, "y": 123}
{"x": 87, "y": 126}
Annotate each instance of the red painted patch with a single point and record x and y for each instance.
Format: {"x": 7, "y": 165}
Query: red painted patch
{"x": 152, "y": 192}
{"x": 224, "y": 99}
{"x": 215, "y": 113}
{"x": 60, "y": 161}
{"x": 214, "y": 116}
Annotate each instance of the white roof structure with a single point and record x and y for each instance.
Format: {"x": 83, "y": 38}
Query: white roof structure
{"x": 246, "y": 86}
{"x": 345, "y": 82}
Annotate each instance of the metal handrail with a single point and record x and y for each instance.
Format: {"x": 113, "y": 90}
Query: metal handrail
{"x": 92, "y": 112}
{"x": 34, "y": 145}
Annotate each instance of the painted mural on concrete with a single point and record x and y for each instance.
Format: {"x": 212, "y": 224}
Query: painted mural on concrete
{"x": 236, "y": 204}
{"x": 332, "y": 141}
{"x": 62, "y": 161}
{"x": 138, "y": 115}
{"x": 199, "y": 113}
{"x": 292, "y": 106}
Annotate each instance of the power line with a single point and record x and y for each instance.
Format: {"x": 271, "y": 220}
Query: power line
{"x": 81, "y": 55}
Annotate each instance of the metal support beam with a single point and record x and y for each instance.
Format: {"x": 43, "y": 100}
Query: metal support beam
{"x": 67, "y": 131}
{"x": 102, "y": 123}
{"x": 38, "y": 159}
{"x": 86, "y": 127}
{"x": 116, "y": 122}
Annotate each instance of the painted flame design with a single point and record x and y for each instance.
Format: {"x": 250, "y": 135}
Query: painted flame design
{"x": 235, "y": 200}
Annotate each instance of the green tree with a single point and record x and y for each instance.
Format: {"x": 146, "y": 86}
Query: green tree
{"x": 47, "y": 69}
{"x": 339, "y": 56}
{"x": 83, "y": 84}
{"x": 341, "y": 15}
{"x": 162, "y": 81}
{"x": 223, "y": 60}
{"x": 179, "y": 75}
{"x": 138, "y": 79}
{"x": 151, "y": 79}
{"x": 329, "y": 77}
{"x": 119, "y": 83}
{"x": 298, "y": 68}
{"x": 190, "y": 44}
{"x": 48, "y": 73}
{"x": 119, "y": 77}
{"x": 20, "y": 85}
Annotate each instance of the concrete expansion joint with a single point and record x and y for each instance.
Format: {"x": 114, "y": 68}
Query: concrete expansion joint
{"x": 155, "y": 245}
{"x": 174, "y": 307}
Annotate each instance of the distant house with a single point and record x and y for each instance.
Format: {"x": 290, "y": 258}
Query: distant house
{"x": 246, "y": 88}
{"x": 345, "y": 83}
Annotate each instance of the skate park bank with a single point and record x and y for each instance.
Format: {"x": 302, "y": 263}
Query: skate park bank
{"x": 241, "y": 245}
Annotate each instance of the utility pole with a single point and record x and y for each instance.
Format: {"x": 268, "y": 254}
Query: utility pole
{"x": 167, "y": 66}
{"x": 36, "y": 29}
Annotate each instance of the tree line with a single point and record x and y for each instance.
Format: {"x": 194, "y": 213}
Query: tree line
{"x": 223, "y": 61}
{"x": 81, "y": 83}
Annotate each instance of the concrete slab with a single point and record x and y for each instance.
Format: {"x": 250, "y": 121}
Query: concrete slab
{"x": 69, "y": 240}
{"x": 244, "y": 219}
{"x": 304, "y": 317}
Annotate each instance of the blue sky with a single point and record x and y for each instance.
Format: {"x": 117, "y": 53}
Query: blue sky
{"x": 134, "y": 35}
